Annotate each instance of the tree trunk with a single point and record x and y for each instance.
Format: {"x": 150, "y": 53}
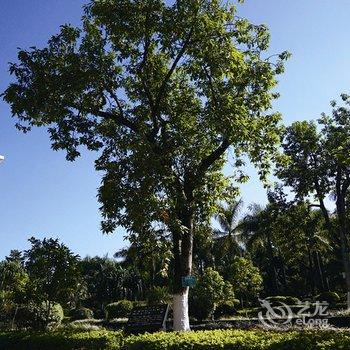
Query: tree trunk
{"x": 272, "y": 267}
{"x": 343, "y": 232}
{"x": 344, "y": 248}
{"x": 318, "y": 263}
{"x": 320, "y": 197}
{"x": 48, "y": 313}
{"x": 311, "y": 273}
{"x": 14, "y": 318}
{"x": 183, "y": 249}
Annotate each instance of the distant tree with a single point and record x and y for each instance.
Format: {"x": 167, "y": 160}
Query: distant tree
{"x": 209, "y": 291}
{"x": 15, "y": 256}
{"x": 290, "y": 244}
{"x": 303, "y": 165}
{"x": 13, "y": 288}
{"x": 162, "y": 91}
{"x": 203, "y": 247}
{"x": 258, "y": 234}
{"x": 13, "y": 279}
{"x": 104, "y": 280}
{"x": 227, "y": 242}
{"x": 318, "y": 163}
{"x": 300, "y": 237}
{"x": 150, "y": 254}
{"x": 54, "y": 273}
{"x": 245, "y": 279}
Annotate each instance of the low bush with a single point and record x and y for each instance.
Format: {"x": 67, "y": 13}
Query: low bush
{"x": 36, "y": 316}
{"x": 330, "y": 297}
{"x": 158, "y": 295}
{"x": 209, "y": 291}
{"x": 83, "y": 325}
{"x": 118, "y": 309}
{"x": 283, "y": 299}
{"x": 81, "y": 313}
{"x": 292, "y": 301}
{"x": 137, "y": 303}
{"x": 200, "y": 340}
{"x": 240, "y": 340}
{"x": 225, "y": 309}
{"x": 64, "y": 340}
{"x": 250, "y": 312}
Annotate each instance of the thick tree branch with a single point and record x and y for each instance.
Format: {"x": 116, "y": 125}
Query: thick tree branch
{"x": 178, "y": 57}
{"x": 208, "y": 161}
{"x": 118, "y": 118}
{"x": 116, "y": 99}
{"x": 147, "y": 91}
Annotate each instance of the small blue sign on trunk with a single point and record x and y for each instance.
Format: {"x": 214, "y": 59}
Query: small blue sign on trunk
{"x": 188, "y": 281}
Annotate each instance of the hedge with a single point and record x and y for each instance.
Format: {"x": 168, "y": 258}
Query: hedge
{"x": 240, "y": 340}
{"x": 61, "y": 340}
{"x": 119, "y": 309}
{"x": 201, "y": 340}
{"x": 81, "y": 313}
{"x": 331, "y": 297}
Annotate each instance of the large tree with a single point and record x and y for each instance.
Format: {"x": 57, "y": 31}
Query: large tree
{"x": 162, "y": 91}
{"x": 318, "y": 163}
{"x": 54, "y": 273}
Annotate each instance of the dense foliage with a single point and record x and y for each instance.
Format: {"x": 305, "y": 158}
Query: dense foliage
{"x": 210, "y": 291}
{"x": 167, "y": 94}
{"x": 96, "y": 340}
{"x": 203, "y": 340}
{"x": 242, "y": 340}
{"x": 163, "y": 91}
{"x": 119, "y": 309}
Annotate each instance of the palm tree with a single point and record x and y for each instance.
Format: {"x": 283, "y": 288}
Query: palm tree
{"x": 256, "y": 233}
{"x": 317, "y": 244}
{"x": 227, "y": 239}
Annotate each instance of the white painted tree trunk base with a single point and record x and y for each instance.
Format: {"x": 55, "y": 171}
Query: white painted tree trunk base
{"x": 181, "y": 321}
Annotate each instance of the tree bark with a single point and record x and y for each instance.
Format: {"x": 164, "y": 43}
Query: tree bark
{"x": 320, "y": 197}
{"x": 311, "y": 272}
{"x": 183, "y": 250}
{"x": 318, "y": 263}
{"x": 272, "y": 268}
{"x": 343, "y": 231}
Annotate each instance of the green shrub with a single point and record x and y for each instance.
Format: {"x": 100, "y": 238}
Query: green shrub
{"x": 66, "y": 340}
{"x": 37, "y": 317}
{"x": 330, "y": 297}
{"x": 81, "y": 326}
{"x": 240, "y": 340}
{"x": 208, "y": 293}
{"x": 119, "y": 309}
{"x": 81, "y": 313}
{"x": 283, "y": 299}
{"x": 137, "y": 303}
{"x": 245, "y": 278}
{"x": 158, "y": 295}
{"x": 292, "y": 301}
{"x": 225, "y": 309}
{"x": 201, "y": 340}
{"x": 250, "y": 312}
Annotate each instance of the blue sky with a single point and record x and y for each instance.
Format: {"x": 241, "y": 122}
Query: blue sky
{"x": 43, "y": 195}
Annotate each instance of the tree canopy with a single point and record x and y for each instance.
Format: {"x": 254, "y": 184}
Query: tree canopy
{"x": 162, "y": 92}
